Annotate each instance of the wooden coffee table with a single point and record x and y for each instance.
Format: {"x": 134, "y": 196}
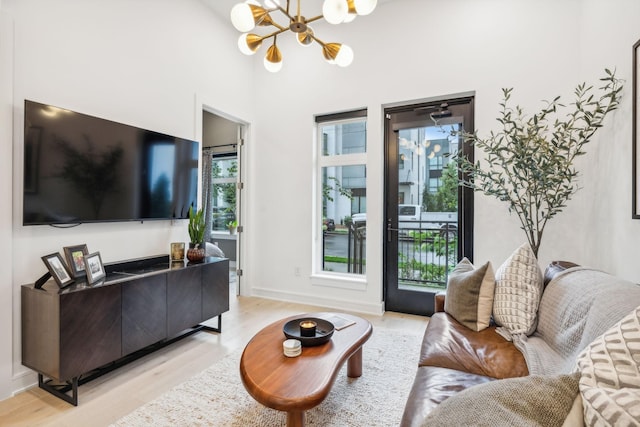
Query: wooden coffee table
{"x": 299, "y": 383}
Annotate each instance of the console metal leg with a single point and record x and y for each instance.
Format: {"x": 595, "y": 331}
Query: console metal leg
{"x": 212, "y": 328}
{"x": 61, "y": 390}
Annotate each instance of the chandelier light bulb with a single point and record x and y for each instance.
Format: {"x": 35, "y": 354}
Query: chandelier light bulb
{"x": 350, "y": 17}
{"x": 336, "y": 53}
{"x": 273, "y": 59}
{"x": 345, "y": 56}
{"x": 249, "y": 43}
{"x": 242, "y": 17}
{"x": 273, "y": 67}
{"x": 335, "y": 11}
{"x": 306, "y": 38}
{"x": 365, "y": 7}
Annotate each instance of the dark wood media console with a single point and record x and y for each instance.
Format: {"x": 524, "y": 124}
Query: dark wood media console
{"x": 74, "y": 334}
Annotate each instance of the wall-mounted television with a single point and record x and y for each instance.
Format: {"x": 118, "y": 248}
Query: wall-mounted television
{"x": 79, "y": 169}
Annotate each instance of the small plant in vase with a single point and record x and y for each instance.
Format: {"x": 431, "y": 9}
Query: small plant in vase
{"x": 196, "y": 250}
{"x": 232, "y": 225}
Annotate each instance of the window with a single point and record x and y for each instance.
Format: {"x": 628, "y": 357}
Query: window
{"x": 224, "y": 172}
{"x": 341, "y": 194}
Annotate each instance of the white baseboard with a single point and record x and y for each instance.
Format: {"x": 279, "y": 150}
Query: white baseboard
{"x": 23, "y": 381}
{"x": 334, "y": 304}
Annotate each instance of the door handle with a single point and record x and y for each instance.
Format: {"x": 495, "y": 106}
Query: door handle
{"x": 390, "y": 229}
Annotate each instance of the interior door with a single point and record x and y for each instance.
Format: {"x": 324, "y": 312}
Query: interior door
{"x": 429, "y": 216}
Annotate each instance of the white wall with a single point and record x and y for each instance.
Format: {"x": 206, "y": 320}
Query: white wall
{"x": 405, "y": 50}
{"x": 612, "y": 236}
{"x": 146, "y": 63}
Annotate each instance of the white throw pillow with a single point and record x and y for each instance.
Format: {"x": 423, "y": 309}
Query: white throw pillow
{"x": 518, "y": 290}
{"x": 610, "y": 375}
{"x": 575, "y": 417}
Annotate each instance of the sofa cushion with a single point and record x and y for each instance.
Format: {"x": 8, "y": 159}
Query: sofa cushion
{"x": 448, "y": 344}
{"x": 433, "y": 386}
{"x": 517, "y": 294}
{"x": 578, "y": 306}
{"x": 610, "y": 380}
{"x": 530, "y": 401}
{"x": 469, "y": 297}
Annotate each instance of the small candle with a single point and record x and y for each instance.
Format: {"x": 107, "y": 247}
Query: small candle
{"x": 308, "y": 328}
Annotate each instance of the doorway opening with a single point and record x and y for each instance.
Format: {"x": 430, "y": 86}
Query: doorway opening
{"x": 222, "y": 171}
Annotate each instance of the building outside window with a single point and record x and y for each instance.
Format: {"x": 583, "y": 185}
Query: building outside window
{"x": 342, "y": 193}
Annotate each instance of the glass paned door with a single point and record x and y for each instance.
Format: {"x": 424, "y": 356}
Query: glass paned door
{"x": 428, "y": 215}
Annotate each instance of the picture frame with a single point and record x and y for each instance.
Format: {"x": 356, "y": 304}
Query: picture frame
{"x": 75, "y": 259}
{"x": 58, "y": 269}
{"x": 635, "y": 137}
{"x": 94, "y": 268}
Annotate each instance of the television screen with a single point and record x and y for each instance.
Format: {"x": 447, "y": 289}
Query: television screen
{"x": 79, "y": 168}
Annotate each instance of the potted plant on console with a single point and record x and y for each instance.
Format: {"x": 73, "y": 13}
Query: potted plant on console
{"x": 196, "y": 250}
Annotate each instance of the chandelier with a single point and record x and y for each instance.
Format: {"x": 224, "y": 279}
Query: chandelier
{"x": 246, "y": 16}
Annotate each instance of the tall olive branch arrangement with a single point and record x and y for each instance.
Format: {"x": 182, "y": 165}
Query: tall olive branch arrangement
{"x": 530, "y": 163}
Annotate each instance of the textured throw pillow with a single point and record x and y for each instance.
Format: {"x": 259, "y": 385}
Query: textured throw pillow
{"x": 518, "y": 290}
{"x": 469, "y": 297}
{"x": 575, "y": 417}
{"x": 610, "y": 375}
{"x": 531, "y": 401}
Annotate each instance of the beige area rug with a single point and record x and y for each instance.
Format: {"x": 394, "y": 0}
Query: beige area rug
{"x": 216, "y": 396}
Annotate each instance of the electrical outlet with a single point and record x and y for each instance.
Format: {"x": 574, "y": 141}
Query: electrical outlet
{"x": 296, "y": 271}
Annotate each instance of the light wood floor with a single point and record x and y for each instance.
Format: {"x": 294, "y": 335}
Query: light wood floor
{"x": 118, "y": 393}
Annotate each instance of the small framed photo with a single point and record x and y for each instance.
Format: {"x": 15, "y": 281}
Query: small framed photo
{"x": 75, "y": 259}
{"x": 56, "y": 266}
{"x": 93, "y": 267}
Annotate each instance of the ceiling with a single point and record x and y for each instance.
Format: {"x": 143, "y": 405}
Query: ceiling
{"x": 309, "y": 7}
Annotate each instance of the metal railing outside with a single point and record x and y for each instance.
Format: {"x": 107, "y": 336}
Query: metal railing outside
{"x": 356, "y": 258}
{"x": 427, "y": 252}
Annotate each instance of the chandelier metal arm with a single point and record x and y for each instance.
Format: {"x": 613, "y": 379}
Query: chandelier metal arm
{"x": 274, "y": 34}
{"x": 297, "y": 18}
{"x": 315, "y": 18}
{"x": 317, "y": 40}
{"x": 279, "y": 27}
{"x": 285, "y": 11}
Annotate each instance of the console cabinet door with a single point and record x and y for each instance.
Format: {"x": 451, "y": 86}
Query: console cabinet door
{"x": 215, "y": 289}
{"x": 144, "y": 312}
{"x": 184, "y": 299}
{"x": 90, "y": 330}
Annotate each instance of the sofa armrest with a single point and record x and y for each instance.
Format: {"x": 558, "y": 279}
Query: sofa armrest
{"x": 554, "y": 268}
{"x": 438, "y": 302}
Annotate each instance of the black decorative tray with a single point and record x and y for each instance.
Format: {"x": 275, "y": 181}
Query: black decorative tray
{"x": 324, "y": 331}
